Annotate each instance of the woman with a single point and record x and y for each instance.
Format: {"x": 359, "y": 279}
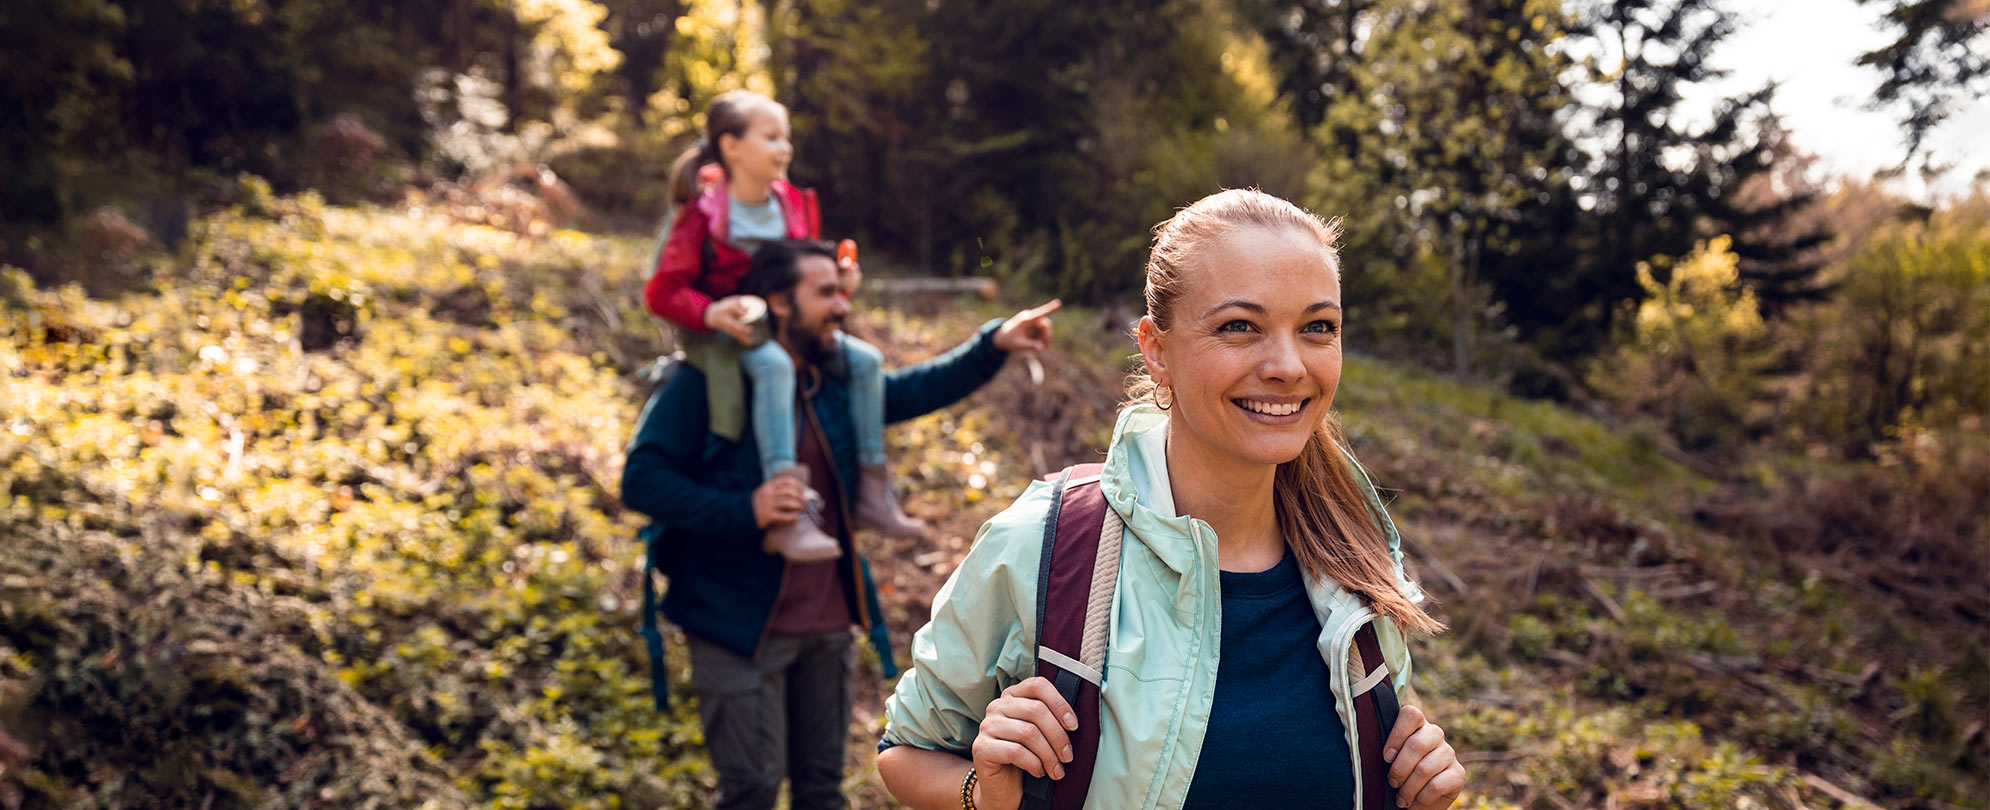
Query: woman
{"x": 1247, "y": 524}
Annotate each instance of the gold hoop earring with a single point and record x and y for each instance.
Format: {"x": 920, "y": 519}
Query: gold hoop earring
{"x": 1157, "y": 397}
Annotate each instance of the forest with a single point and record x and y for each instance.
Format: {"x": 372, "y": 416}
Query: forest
{"x": 322, "y": 341}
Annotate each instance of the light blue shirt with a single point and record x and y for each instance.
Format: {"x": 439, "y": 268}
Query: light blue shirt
{"x": 755, "y": 223}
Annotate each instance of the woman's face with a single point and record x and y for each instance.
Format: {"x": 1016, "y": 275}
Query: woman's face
{"x": 1254, "y": 349}
{"x": 762, "y": 152}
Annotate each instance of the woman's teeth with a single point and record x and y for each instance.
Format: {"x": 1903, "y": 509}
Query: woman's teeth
{"x": 1269, "y": 408}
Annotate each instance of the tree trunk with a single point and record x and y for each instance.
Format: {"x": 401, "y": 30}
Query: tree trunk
{"x": 514, "y": 84}
{"x": 1461, "y": 324}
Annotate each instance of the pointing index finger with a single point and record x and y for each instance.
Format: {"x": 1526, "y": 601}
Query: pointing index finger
{"x": 1038, "y": 312}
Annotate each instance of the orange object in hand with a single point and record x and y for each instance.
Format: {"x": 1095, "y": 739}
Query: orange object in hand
{"x": 846, "y": 253}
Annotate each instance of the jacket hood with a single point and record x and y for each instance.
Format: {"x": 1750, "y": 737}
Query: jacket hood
{"x": 1136, "y": 485}
{"x": 796, "y": 208}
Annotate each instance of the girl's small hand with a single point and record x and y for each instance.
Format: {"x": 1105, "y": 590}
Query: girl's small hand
{"x": 851, "y": 276}
{"x": 728, "y": 315}
{"x": 846, "y": 264}
{"x": 1026, "y": 729}
{"x": 1422, "y": 767}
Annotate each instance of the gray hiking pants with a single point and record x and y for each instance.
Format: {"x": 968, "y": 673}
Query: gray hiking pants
{"x": 786, "y": 714}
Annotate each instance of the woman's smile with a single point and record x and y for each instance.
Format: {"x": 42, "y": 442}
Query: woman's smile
{"x": 1276, "y": 411}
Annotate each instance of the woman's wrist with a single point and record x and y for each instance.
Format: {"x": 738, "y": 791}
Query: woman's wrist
{"x": 996, "y": 795}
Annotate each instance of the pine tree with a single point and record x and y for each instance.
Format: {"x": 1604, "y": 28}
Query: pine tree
{"x": 1779, "y": 245}
{"x": 933, "y": 142}
{"x": 1315, "y": 45}
{"x": 1453, "y": 128}
{"x": 1940, "y": 55}
{"x": 1659, "y": 184}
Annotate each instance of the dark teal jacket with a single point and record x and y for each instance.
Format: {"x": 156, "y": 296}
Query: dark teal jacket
{"x": 697, "y": 489}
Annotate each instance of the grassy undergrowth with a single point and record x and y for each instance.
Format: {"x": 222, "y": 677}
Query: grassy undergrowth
{"x": 325, "y": 516}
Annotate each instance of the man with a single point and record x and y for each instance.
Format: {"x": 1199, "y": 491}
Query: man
{"x": 770, "y": 641}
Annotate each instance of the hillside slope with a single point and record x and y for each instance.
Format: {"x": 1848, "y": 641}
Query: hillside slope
{"x": 326, "y": 516}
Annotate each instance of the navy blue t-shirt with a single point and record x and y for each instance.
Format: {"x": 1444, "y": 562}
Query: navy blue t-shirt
{"x": 1274, "y": 739}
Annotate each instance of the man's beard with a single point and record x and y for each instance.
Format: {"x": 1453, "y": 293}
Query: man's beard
{"x": 815, "y": 345}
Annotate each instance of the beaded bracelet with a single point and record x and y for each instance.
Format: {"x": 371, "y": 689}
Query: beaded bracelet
{"x": 967, "y": 791}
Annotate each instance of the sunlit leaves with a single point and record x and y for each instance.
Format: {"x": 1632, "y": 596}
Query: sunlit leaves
{"x": 435, "y": 481}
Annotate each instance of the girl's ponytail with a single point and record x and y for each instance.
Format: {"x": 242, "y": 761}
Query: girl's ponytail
{"x": 684, "y": 172}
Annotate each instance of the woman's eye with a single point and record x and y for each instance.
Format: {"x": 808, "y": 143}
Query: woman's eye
{"x": 1322, "y": 327}
{"x": 1235, "y": 326}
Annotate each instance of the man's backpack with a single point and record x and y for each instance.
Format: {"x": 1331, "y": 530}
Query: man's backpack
{"x": 1077, "y": 575}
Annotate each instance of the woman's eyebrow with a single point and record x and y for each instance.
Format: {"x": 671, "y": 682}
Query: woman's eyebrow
{"x": 1239, "y": 304}
{"x": 1258, "y": 309}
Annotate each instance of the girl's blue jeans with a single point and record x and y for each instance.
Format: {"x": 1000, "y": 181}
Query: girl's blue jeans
{"x": 773, "y": 374}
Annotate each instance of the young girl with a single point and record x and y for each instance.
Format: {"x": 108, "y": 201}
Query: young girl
{"x": 731, "y": 195}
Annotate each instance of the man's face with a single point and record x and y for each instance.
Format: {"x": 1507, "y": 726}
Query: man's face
{"x": 811, "y": 315}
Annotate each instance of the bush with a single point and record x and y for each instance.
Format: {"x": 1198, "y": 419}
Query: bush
{"x": 1693, "y": 352}
{"x": 282, "y": 535}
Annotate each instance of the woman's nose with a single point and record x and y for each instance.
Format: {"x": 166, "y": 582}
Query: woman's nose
{"x": 1282, "y": 361}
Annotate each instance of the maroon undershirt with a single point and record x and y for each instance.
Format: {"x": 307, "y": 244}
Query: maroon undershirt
{"x": 812, "y": 599}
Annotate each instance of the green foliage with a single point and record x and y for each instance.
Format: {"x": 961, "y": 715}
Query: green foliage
{"x": 1907, "y": 770}
{"x": 380, "y": 569}
{"x": 1495, "y": 439}
{"x": 326, "y": 513}
{"x": 1658, "y": 184}
{"x": 1611, "y": 757}
{"x": 719, "y": 46}
{"x": 1693, "y": 353}
{"x": 925, "y": 141}
{"x": 567, "y": 50}
{"x": 131, "y": 101}
{"x": 1444, "y": 139}
{"x": 1904, "y": 343}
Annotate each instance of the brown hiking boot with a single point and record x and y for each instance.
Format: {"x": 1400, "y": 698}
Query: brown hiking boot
{"x": 802, "y": 539}
{"x": 877, "y": 509}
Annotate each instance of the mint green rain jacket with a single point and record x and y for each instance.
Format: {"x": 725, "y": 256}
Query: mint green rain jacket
{"x": 1164, "y": 638}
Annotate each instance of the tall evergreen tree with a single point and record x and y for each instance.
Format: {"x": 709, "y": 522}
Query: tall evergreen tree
{"x": 1444, "y": 153}
{"x": 921, "y": 123}
{"x": 1940, "y": 54}
{"x": 1315, "y": 45}
{"x": 1657, "y": 182}
{"x": 1779, "y": 247}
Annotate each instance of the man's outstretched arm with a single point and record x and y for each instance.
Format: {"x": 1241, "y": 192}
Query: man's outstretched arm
{"x": 926, "y": 387}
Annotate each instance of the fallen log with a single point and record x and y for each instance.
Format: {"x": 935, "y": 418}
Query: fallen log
{"x": 981, "y": 286}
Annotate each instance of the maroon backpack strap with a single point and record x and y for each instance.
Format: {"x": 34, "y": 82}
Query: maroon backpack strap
{"x": 1375, "y": 716}
{"x": 1075, "y": 579}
